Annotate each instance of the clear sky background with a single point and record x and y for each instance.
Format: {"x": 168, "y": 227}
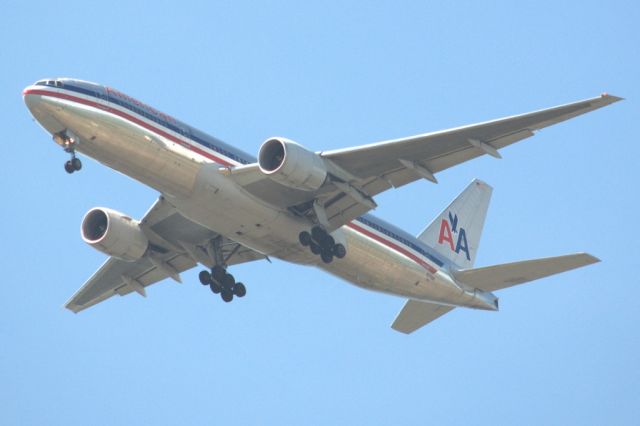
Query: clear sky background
{"x": 304, "y": 347}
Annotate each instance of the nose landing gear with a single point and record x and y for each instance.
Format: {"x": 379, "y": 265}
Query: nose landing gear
{"x": 320, "y": 242}
{"x": 68, "y": 141}
{"x": 73, "y": 165}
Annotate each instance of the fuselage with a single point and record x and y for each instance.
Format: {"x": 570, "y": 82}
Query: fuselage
{"x": 188, "y": 167}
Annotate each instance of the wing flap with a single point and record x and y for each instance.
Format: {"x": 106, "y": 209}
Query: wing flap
{"x": 497, "y": 277}
{"x": 416, "y": 314}
{"x": 108, "y": 280}
{"x": 446, "y": 148}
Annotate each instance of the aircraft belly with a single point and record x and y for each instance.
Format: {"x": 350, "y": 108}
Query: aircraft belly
{"x": 218, "y": 204}
{"x": 130, "y": 149}
{"x": 373, "y": 266}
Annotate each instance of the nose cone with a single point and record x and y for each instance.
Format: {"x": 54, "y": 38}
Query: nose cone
{"x": 29, "y": 97}
{"x": 42, "y": 108}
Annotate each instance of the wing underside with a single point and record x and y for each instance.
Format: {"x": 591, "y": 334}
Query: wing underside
{"x": 176, "y": 245}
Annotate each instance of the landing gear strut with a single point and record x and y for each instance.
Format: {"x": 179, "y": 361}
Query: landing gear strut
{"x": 68, "y": 141}
{"x": 320, "y": 242}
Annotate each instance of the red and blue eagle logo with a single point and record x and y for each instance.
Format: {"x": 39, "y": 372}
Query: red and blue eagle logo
{"x": 448, "y": 229}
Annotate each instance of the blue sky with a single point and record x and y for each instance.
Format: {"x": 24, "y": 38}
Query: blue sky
{"x": 304, "y": 347}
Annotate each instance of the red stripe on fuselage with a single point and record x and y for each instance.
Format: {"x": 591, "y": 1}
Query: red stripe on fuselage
{"x": 218, "y": 160}
{"x": 130, "y": 118}
{"x": 392, "y": 246}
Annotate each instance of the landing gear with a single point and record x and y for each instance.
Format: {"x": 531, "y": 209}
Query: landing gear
{"x": 223, "y": 283}
{"x": 320, "y": 242}
{"x": 204, "y": 277}
{"x": 68, "y": 141}
{"x": 73, "y": 165}
{"x": 218, "y": 279}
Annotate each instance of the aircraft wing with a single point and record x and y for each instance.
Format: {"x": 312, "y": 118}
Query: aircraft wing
{"x": 176, "y": 244}
{"x": 358, "y": 174}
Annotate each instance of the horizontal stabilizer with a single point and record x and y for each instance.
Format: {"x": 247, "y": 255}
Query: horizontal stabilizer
{"x": 415, "y": 314}
{"x": 497, "y": 277}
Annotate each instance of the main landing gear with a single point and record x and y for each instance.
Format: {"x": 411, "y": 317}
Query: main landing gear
{"x": 68, "y": 141}
{"x": 322, "y": 243}
{"x": 221, "y": 282}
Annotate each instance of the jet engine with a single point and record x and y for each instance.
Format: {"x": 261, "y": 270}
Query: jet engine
{"x": 291, "y": 164}
{"x": 114, "y": 233}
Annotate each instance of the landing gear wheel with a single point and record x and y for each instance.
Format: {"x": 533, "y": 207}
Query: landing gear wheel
{"x": 315, "y": 248}
{"x": 204, "y": 277}
{"x": 76, "y": 163}
{"x": 68, "y": 167}
{"x": 328, "y": 242}
{"x": 326, "y": 256}
{"x": 227, "y": 295}
{"x": 215, "y": 287}
{"x": 339, "y": 251}
{"x": 318, "y": 234}
{"x": 239, "y": 290}
{"x": 305, "y": 238}
{"x": 218, "y": 273}
{"x": 228, "y": 281}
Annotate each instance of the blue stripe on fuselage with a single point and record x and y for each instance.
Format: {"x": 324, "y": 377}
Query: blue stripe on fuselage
{"x": 195, "y": 135}
{"x": 399, "y": 236}
{"x": 201, "y": 138}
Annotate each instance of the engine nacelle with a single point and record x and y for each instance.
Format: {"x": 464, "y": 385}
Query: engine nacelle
{"x": 291, "y": 164}
{"x": 114, "y": 233}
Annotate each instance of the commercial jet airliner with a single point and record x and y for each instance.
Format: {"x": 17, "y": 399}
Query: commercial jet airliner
{"x": 219, "y": 206}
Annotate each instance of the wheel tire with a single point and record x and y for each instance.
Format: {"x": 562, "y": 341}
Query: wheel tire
{"x": 68, "y": 167}
{"x": 228, "y": 281}
{"x": 305, "y": 238}
{"x": 339, "y": 251}
{"x": 215, "y": 287}
{"x": 315, "y": 248}
{"x": 326, "y": 256}
{"x": 239, "y": 290}
{"x": 227, "y": 295}
{"x": 76, "y": 164}
{"x": 328, "y": 242}
{"x": 318, "y": 234}
{"x": 218, "y": 273}
{"x": 204, "y": 277}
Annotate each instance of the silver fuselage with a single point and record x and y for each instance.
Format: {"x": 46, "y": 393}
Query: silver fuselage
{"x": 188, "y": 168}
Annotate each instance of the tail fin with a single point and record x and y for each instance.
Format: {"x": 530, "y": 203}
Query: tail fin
{"x": 455, "y": 233}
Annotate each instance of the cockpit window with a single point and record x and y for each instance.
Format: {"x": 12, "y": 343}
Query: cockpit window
{"x": 52, "y": 83}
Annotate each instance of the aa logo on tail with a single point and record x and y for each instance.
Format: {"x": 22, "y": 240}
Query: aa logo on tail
{"x": 449, "y": 228}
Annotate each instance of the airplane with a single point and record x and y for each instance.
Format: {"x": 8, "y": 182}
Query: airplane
{"x": 220, "y": 207}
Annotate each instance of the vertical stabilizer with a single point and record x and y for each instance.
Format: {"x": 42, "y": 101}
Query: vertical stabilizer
{"x": 455, "y": 233}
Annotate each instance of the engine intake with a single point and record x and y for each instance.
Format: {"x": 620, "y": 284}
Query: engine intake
{"x": 114, "y": 233}
{"x": 291, "y": 164}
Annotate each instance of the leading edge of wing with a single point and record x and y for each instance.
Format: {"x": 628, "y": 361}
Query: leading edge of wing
{"x": 565, "y": 112}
